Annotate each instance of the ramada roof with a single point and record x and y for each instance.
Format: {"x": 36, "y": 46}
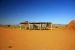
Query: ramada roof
{"x": 35, "y": 22}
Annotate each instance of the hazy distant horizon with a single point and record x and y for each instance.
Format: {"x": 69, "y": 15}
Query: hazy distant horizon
{"x": 55, "y": 11}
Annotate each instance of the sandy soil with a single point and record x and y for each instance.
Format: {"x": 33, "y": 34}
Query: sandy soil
{"x": 57, "y": 39}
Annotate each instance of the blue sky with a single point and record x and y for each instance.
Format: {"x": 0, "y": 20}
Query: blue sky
{"x": 55, "y": 11}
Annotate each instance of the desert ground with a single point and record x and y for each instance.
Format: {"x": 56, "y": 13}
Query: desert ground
{"x": 57, "y": 39}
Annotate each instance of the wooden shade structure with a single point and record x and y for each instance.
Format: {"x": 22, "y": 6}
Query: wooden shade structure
{"x": 36, "y": 25}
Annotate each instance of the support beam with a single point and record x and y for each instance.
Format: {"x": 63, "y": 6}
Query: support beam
{"x": 29, "y": 26}
{"x": 20, "y": 27}
{"x": 51, "y": 27}
{"x": 40, "y": 26}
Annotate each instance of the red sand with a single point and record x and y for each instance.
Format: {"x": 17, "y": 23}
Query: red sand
{"x": 71, "y": 25}
{"x": 57, "y": 39}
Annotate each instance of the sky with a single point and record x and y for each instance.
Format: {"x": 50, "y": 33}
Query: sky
{"x": 55, "y": 11}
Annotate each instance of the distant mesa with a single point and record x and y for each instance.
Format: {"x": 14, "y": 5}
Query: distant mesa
{"x": 71, "y": 25}
{"x": 26, "y": 22}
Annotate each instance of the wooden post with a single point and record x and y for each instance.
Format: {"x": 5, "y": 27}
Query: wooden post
{"x": 29, "y": 26}
{"x": 20, "y": 27}
{"x": 51, "y": 27}
{"x": 40, "y": 26}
